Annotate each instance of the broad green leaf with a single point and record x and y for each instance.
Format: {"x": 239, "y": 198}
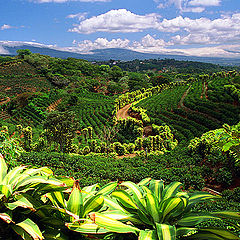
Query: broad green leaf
{"x": 171, "y": 205}
{"x": 122, "y": 216}
{"x": 166, "y": 232}
{"x": 33, "y": 180}
{"x": 148, "y": 235}
{"x": 157, "y": 186}
{"x": 44, "y": 188}
{"x": 66, "y": 180}
{"x": 136, "y": 194}
{"x": 144, "y": 182}
{"x": 198, "y": 197}
{"x": 170, "y": 190}
{"x": 185, "y": 231}
{"x": 86, "y": 228}
{"x": 227, "y": 214}
{"x": 124, "y": 198}
{"x": 205, "y": 236}
{"x": 107, "y": 189}
{"x": 60, "y": 210}
{"x": 13, "y": 174}
{"x": 145, "y": 218}
{"x": 193, "y": 219}
{"x": 6, "y": 218}
{"x": 112, "y": 204}
{"x": 219, "y": 232}
{"x": 46, "y": 170}
{"x": 6, "y": 190}
{"x": 31, "y": 228}
{"x": 75, "y": 201}
{"x": 20, "y": 231}
{"x": 112, "y": 225}
{"x": 91, "y": 189}
{"x": 94, "y": 203}
{"x": 22, "y": 202}
{"x": 3, "y": 168}
{"x": 57, "y": 199}
{"x": 152, "y": 205}
{"x": 201, "y": 196}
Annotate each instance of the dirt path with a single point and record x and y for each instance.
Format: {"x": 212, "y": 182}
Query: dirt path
{"x": 181, "y": 105}
{"x": 123, "y": 112}
{"x": 204, "y": 90}
{"x": 132, "y": 155}
{"x": 53, "y": 106}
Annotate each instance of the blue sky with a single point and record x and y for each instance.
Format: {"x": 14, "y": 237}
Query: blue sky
{"x": 189, "y": 27}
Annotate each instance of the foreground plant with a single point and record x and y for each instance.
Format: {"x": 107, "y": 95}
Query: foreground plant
{"x": 162, "y": 212}
{"x": 20, "y": 196}
{"x": 78, "y": 205}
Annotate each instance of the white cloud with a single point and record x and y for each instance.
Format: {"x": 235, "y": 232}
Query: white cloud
{"x": 63, "y": 1}
{"x": 188, "y": 31}
{"x": 79, "y": 16}
{"x": 100, "y": 43}
{"x": 205, "y": 2}
{"x": 194, "y": 10}
{"x": 195, "y": 6}
{"x": 148, "y": 44}
{"x": 6, "y": 26}
{"x": 120, "y": 20}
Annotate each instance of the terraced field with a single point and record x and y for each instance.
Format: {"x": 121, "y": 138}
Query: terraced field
{"x": 193, "y": 109}
{"x": 19, "y": 77}
{"x": 93, "y": 110}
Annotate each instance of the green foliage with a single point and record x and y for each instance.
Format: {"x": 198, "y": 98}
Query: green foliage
{"x": 9, "y": 147}
{"x": 20, "y": 195}
{"x": 23, "y": 52}
{"x": 176, "y": 165}
{"x": 225, "y": 139}
{"x": 232, "y": 195}
{"x": 164, "y": 212}
{"x": 60, "y": 128}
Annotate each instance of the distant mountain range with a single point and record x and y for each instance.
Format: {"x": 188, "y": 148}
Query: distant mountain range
{"x": 9, "y": 48}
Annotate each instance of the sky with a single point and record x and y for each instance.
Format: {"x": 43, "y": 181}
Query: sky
{"x": 188, "y": 27}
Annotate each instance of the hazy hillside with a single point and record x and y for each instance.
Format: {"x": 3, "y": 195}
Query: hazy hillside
{"x": 114, "y": 53}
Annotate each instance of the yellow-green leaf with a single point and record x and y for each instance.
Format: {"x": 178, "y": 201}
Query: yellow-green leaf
{"x": 112, "y": 225}
{"x": 124, "y": 198}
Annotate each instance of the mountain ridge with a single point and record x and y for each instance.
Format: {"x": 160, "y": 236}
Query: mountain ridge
{"x": 109, "y": 53}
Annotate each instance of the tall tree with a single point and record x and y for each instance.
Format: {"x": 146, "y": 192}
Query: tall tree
{"x": 61, "y": 128}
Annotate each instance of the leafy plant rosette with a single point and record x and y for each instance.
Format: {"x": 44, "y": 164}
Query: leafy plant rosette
{"x": 21, "y": 190}
{"x": 154, "y": 211}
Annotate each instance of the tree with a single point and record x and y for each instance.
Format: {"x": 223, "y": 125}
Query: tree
{"x": 61, "y": 128}
{"x": 22, "y": 52}
{"x": 116, "y": 73}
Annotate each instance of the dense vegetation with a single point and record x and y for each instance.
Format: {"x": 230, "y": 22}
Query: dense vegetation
{"x": 109, "y": 126}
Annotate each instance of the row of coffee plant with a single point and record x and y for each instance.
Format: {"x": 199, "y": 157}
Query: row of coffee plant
{"x": 131, "y": 97}
{"x": 20, "y": 77}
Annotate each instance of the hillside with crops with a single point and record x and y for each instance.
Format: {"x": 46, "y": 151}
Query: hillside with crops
{"x": 117, "y": 150}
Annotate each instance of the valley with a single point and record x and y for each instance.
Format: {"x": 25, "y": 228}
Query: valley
{"x": 119, "y": 148}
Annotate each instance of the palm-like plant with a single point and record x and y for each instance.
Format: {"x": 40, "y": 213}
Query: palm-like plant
{"x": 163, "y": 212}
{"x": 20, "y": 192}
{"x": 78, "y": 205}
